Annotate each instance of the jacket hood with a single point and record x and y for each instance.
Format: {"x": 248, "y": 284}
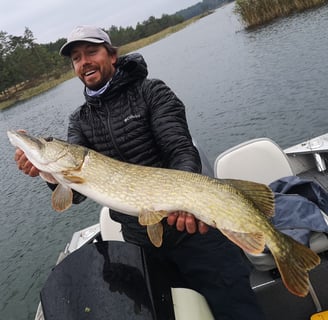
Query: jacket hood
{"x": 129, "y": 69}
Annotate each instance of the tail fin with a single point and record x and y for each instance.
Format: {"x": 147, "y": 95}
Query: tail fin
{"x": 294, "y": 264}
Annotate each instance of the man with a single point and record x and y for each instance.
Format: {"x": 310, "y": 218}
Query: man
{"x": 139, "y": 120}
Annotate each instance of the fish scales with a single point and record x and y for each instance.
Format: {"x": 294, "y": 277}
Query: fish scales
{"x": 149, "y": 188}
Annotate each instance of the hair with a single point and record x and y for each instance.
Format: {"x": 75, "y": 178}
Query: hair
{"x": 113, "y": 51}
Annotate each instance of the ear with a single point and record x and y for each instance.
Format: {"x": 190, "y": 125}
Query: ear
{"x": 113, "y": 57}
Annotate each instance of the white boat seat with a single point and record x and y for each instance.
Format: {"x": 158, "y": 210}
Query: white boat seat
{"x": 109, "y": 229}
{"x": 260, "y": 160}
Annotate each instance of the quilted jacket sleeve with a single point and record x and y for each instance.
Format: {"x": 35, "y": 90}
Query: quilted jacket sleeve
{"x": 170, "y": 128}
{"x": 75, "y": 134}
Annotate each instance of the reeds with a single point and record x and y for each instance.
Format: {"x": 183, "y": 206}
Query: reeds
{"x": 257, "y": 12}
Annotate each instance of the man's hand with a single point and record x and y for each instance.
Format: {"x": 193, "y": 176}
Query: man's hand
{"x": 186, "y": 221}
{"x": 24, "y": 164}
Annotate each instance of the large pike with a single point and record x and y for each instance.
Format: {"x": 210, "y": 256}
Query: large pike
{"x": 239, "y": 209}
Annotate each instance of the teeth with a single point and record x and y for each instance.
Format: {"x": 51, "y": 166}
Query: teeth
{"x": 89, "y": 72}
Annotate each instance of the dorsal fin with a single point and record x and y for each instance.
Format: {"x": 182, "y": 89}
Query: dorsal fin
{"x": 260, "y": 194}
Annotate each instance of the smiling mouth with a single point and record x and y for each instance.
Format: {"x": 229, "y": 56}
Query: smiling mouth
{"x": 89, "y": 73}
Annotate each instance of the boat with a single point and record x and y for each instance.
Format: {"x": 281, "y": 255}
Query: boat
{"x": 99, "y": 276}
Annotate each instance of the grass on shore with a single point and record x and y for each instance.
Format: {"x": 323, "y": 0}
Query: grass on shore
{"x": 133, "y": 46}
{"x": 257, "y": 12}
{"x": 33, "y": 90}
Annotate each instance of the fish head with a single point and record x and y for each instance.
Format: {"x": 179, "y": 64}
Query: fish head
{"x": 48, "y": 154}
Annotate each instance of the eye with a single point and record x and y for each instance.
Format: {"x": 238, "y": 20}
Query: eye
{"x": 75, "y": 57}
{"x": 49, "y": 139}
{"x": 92, "y": 51}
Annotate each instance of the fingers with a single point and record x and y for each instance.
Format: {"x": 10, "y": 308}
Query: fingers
{"x": 172, "y": 218}
{"x": 33, "y": 172}
{"x": 177, "y": 218}
{"x": 24, "y": 164}
{"x": 18, "y": 154}
{"x": 202, "y": 227}
{"x": 190, "y": 222}
{"x": 186, "y": 221}
{"x": 181, "y": 221}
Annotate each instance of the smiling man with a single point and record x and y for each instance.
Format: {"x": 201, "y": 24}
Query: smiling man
{"x": 95, "y": 61}
{"x": 93, "y": 57}
{"x": 132, "y": 118}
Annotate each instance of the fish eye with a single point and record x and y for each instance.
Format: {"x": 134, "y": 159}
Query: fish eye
{"x": 49, "y": 139}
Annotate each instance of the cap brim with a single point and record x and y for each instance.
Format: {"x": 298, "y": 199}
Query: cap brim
{"x": 65, "y": 50}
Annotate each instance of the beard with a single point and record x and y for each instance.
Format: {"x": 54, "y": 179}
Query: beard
{"x": 94, "y": 77}
{"x": 96, "y": 86}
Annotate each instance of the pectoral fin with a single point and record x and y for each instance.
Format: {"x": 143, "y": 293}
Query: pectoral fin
{"x": 148, "y": 217}
{"x": 48, "y": 177}
{"x": 152, "y": 219}
{"x": 62, "y": 198}
{"x": 70, "y": 177}
{"x": 155, "y": 234}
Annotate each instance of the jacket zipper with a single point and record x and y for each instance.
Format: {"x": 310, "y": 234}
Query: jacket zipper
{"x": 111, "y": 133}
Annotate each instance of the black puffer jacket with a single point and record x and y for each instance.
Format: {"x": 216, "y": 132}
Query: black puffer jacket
{"x": 137, "y": 120}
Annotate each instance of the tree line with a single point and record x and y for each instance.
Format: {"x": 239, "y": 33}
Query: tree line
{"x": 24, "y": 62}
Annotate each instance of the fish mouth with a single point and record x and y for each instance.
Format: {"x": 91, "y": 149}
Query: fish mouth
{"x": 22, "y": 140}
{"x": 30, "y": 145}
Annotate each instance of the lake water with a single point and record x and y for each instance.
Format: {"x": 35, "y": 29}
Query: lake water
{"x": 236, "y": 85}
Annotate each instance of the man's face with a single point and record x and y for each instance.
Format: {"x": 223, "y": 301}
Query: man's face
{"x": 92, "y": 64}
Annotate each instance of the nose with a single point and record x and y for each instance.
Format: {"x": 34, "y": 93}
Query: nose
{"x": 85, "y": 59}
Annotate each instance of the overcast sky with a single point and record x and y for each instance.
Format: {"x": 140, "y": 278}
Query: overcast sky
{"x": 50, "y": 20}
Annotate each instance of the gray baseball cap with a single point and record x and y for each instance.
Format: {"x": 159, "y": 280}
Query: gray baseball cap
{"x": 84, "y": 33}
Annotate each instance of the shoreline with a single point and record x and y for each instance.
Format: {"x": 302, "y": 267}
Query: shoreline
{"x": 25, "y": 94}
